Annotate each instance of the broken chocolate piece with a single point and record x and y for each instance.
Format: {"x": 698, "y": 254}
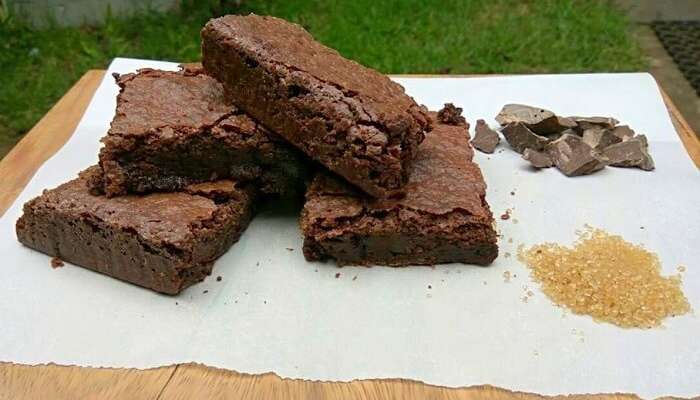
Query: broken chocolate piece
{"x": 539, "y": 120}
{"x": 632, "y": 152}
{"x": 485, "y": 138}
{"x": 584, "y": 123}
{"x": 538, "y": 159}
{"x": 573, "y": 157}
{"x": 451, "y": 115}
{"x": 520, "y": 137}
{"x": 624, "y": 132}
{"x": 599, "y": 138}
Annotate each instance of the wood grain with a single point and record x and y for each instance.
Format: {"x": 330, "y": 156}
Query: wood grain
{"x": 188, "y": 381}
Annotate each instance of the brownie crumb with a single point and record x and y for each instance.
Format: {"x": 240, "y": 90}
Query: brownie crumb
{"x": 354, "y": 278}
{"x": 219, "y": 278}
{"x": 430, "y": 287}
{"x": 56, "y": 263}
{"x": 512, "y": 193}
{"x": 506, "y": 215}
{"x": 451, "y": 115}
{"x": 337, "y": 275}
{"x": 205, "y": 292}
{"x": 290, "y": 248}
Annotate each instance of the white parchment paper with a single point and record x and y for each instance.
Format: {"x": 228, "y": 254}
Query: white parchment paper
{"x": 273, "y": 311}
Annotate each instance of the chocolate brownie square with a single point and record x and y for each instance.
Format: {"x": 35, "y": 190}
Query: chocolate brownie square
{"x": 161, "y": 241}
{"x": 443, "y": 217}
{"x": 172, "y": 129}
{"x": 352, "y": 119}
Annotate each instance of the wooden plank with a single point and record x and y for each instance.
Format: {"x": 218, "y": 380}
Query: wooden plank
{"x": 198, "y": 381}
{"x": 191, "y": 380}
{"x": 18, "y": 382}
{"x": 46, "y": 138}
{"x": 690, "y": 139}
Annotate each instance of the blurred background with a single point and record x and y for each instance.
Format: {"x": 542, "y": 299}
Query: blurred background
{"x": 46, "y": 45}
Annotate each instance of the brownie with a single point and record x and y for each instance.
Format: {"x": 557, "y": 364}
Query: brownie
{"x": 352, "y": 119}
{"x": 443, "y": 217}
{"x": 161, "y": 241}
{"x": 172, "y": 129}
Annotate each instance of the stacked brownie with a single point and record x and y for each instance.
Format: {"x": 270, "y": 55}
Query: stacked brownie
{"x": 189, "y": 153}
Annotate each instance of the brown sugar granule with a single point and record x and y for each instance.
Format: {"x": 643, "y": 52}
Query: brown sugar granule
{"x": 608, "y": 278}
{"x": 56, "y": 262}
{"x": 506, "y": 276}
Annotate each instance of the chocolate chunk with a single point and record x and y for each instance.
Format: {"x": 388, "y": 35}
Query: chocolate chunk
{"x": 599, "y": 138}
{"x": 485, "y": 138}
{"x": 538, "y": 159}
{"x": 573, "y": 157}
{"x": 624, "y": 132}
{"x": 539, "y": 120}
{"x": 451, "y": 115}
{"x": 520, "y": 137}
{"x": 630, "y": 153}
{"x": 584, "y": 123}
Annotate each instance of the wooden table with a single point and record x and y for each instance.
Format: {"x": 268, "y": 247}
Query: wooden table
{"x": 189, "y": 381}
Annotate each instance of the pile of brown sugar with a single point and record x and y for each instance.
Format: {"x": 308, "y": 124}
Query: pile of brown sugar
{"x": 607, "y": 278}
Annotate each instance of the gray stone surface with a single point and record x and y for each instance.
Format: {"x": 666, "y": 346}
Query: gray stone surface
{"x": 661, "y": 10}
{"x": 77, "y": 12}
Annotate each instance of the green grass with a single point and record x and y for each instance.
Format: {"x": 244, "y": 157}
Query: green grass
{"x": 449, "y": 36}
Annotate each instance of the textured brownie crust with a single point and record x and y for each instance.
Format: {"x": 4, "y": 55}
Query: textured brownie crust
{"x": 163, "y": 241}
{"x": 173, "y": 129}
{"x": 354, "y": 120}
{"x": 443, "y": 217}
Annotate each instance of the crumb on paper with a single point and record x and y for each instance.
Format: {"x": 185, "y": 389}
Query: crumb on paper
{"x": 290, "y": 248}
{"x": 205, "y": 292}
{"x": 506, "y": 215}
{"x": 56, "y": 263}
{"x": 506, "y": 276}
{"x": 337, "y": 275}
{"x": 681, "y": 268}
{"x": 510, "y": 240}
{"x": 354, "y": 278}
{"x": 219, "y": 278}
{"x": 430, "y": 286}
{"x": 506, "y": 255}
